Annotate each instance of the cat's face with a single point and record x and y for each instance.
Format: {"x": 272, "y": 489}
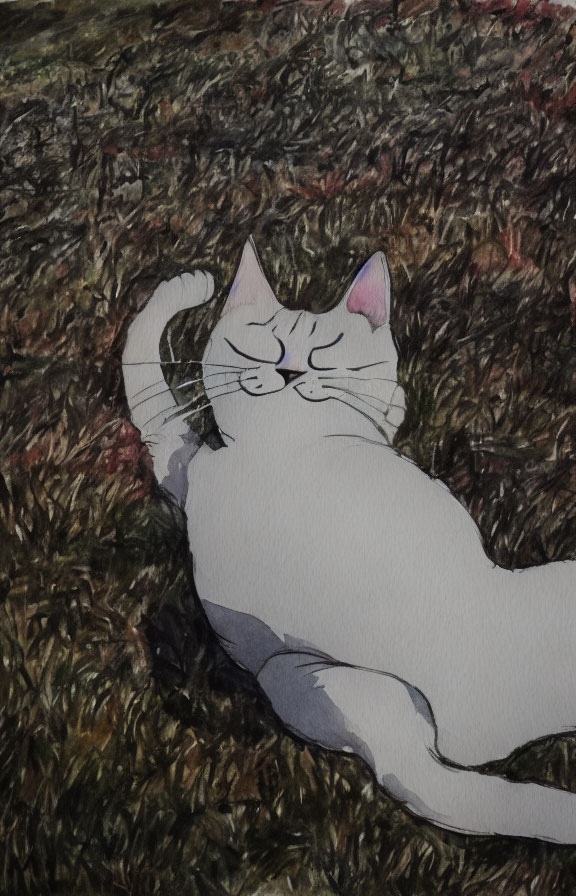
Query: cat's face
{"x": 266, "y": 364}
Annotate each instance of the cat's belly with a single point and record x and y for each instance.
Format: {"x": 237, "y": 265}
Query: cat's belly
{"x": 323, "y": 552}
{"x": 356, "y": 566}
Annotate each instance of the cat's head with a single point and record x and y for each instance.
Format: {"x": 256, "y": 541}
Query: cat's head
{"x": 268, "y": 366}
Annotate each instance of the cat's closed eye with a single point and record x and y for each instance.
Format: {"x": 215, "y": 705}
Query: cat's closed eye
{"x": 258, "y": 359}
{"x": 320, "y": 348}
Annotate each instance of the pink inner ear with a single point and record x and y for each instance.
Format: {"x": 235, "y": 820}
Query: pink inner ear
{"x": 250, "y": 286}
{"x": 370, "y": 293}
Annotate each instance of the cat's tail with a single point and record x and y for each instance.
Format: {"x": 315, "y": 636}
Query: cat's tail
{"x": 390, "y": 725}
{"x": 150, "y": 400}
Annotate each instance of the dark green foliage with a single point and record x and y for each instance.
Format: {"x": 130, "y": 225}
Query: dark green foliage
{"x": 139, "y": 141}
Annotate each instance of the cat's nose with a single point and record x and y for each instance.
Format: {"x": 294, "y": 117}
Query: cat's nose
{"x": 288, "y": 375}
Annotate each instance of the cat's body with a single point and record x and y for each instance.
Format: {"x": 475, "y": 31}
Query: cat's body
{"x": 382, "y": 593}
{"x": 351, "y": 584}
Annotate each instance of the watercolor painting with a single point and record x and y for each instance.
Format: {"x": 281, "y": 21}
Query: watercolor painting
{"x": 352, "y": 606}
{"x": 288, "y": 297}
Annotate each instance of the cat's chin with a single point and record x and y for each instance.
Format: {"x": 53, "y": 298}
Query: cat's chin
{"x": 311, "y": 392}
{"x": 306, "y": 390}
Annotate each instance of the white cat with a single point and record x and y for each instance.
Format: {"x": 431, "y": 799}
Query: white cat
{"x": 351, "y": 584}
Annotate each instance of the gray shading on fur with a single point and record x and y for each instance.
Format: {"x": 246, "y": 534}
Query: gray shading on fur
{"x": 176, "y": 480}
{"x": 354, "y": 586}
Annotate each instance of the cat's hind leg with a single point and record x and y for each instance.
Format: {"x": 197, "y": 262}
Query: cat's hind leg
{"x": 390, "y": 725}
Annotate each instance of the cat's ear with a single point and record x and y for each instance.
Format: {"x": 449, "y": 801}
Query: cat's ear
{"x": 370, "y": 293}
{"x": 250, "y": 286}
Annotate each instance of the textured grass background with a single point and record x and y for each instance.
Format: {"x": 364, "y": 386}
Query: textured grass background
{"x": 138, "y": 141}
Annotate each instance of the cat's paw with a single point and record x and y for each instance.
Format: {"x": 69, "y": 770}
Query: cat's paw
{"x": 181, "y": 293}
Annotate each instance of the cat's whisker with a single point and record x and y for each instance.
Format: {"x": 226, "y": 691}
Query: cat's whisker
{"x": 233, "y": 382}
{"x": 235, "y": 388}
{"x": 186, "y": 361}
{"x": 246, "y": 379}
{"x": 387, "y": 404}
{"x": 363, "y": 400}
{"x": 220, "y": 394}
{"x": 203, "y": 407}
{"x": 160, "y": 363}
{"x": 187, "y": 411}
{"x": 190, "y": 383}
{"x": 159, "y": 414}
{"x": 172, "y": 389}
{"x": 192, "y": 410}
{"x": 366, "y": 366}
{"x": 236, "y": 367}
{"x": 151, "y": 397}
{"x": 362, "y": 379}
{"x": 205, "y": 377}
{"x": 149, "y": 386}
{"x": 353, "y": 435}
{"x": 359, "y": 395}
{"x": 363, "y": 414}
